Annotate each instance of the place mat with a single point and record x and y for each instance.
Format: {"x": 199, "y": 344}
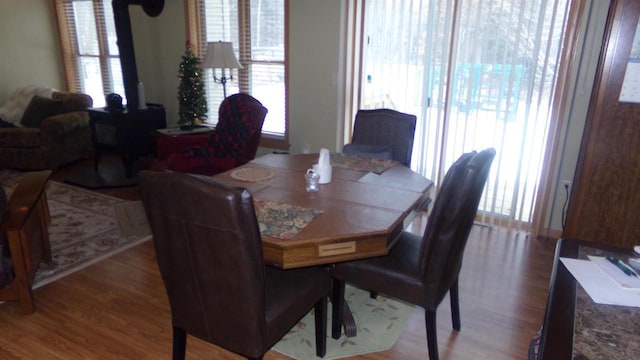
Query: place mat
{"x": 281, "y": 220}
{"x": 252, "y": 174}
{"x": 361, "y": 163}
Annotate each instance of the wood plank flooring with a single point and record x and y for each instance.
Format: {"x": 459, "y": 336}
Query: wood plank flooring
{"x": 117, "y": 308}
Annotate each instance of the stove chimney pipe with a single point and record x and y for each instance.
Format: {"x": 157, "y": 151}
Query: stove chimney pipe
{"x": 122, "y": 21}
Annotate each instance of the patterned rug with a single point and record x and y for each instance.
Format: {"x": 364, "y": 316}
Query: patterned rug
{"x": 84, "y": 227}
{"x": 379, "y": 322}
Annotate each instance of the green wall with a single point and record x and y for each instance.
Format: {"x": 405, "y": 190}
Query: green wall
{"x": 29, "y": 42}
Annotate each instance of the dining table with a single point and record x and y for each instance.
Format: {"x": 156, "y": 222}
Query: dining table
{"x": 358, "y": 214}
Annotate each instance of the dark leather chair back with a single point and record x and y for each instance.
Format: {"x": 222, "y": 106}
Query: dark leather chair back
{"x": 423, "y": 269}
{"x": 386, "y": 127}
{"x": 237, "y": 135}
{"x": 209, "y": 252}
{"x": 450, "y": 223}
{"x": 210, "y": 257}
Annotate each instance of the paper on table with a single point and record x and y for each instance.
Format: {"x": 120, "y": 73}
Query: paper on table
{"x": 600, "y": 287}
{"x": 622, "y": 279}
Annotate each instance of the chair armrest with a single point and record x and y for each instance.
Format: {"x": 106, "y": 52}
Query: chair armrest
{"x": 64, "y": 123}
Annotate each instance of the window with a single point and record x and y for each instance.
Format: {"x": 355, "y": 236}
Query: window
{"x": 257, "y": 29}
{"x": 477, "y": 74}
{"x": 90, "y": 50}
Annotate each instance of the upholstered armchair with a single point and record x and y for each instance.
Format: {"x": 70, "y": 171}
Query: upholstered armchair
{"x": 234, "y": 141}
{"x": 44, "y": 129}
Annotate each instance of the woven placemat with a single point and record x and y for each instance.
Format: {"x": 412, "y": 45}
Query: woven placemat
{"x": 361, "y": 163}
{"x": 252, "y": 174}
{"x": 282, "y": 220}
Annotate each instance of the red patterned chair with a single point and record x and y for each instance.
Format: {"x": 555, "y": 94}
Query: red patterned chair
{"x": 234, "y": 142}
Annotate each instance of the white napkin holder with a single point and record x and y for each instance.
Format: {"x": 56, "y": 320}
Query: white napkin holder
{"x": 323, "y": 167}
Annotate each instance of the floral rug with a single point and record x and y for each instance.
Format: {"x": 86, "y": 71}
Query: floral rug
{"x": 84, "y": 228}
{"x": 379, "y": 324}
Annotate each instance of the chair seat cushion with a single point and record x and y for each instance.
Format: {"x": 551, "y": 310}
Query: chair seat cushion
{"x": 72, "y": 101}
{"x": 13, "y": 109}
{"x": 40, "y": 108}
{"x": 372, "y": 151}
{"x": 397, "y": 273}
{"x": 288, "y": 294}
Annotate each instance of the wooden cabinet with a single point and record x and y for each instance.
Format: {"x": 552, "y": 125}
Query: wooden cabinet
{"x": 604, "y": 205}
{"x": 128, "y": 133}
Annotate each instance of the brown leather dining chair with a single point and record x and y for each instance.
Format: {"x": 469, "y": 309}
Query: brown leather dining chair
{"x": 422, "y": 269}
{"x": 383, "y": 133}
{"x": 209, "y": 252}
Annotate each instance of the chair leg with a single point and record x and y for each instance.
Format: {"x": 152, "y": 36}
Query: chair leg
{"x": 179, "y": 343}
{"x": 373, "y": 295}
{"x": 337, "y": 298}
{"x": 455, "y": 306}
{"x": 432, "y": 335}
{"x": 321, "y": 326}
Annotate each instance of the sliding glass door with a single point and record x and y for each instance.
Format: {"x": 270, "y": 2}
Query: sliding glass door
{"x": 478, "y": 74}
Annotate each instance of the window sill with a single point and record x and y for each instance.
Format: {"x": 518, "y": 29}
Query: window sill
{"x": 274, "y": 142}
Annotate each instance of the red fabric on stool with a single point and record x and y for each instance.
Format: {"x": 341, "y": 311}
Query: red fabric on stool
{"x": 188, "y": 163}
{"x": 234, "y": 141}
{"x": 167, "y": 145}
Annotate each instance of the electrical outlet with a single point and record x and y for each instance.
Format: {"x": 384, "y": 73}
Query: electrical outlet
{"x": 566, "y": 184}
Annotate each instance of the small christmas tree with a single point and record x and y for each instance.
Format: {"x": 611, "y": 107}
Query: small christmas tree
{"x": 193, "y": 104}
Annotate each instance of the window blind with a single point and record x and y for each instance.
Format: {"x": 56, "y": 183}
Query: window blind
{"x": 477, "y": 74}
{"x": 257, "y": 30}
{"x": 89, "y": 45}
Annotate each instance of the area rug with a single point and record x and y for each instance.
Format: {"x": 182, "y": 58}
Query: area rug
{"x": 132, "y": 219}
{"x": 379, "y": 324}
{"x": 84, "y": 227}
{"x": 108, "y": 176}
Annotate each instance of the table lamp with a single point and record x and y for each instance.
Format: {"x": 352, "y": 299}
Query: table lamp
{"x": 220, "y": 55}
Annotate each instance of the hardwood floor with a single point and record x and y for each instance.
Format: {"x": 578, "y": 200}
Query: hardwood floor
{"x": 117, "y": 308}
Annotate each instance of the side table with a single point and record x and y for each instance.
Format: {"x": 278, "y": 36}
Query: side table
{"x": 126, "y": 132}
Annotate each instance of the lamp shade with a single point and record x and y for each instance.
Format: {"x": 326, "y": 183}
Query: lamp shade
{"x": 220, "y": 55}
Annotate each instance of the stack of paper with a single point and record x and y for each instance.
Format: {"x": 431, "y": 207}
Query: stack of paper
{"x": 604, "y": 282}
{"x": 624, "y": 280}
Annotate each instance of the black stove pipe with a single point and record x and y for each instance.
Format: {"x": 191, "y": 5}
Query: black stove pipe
{"x": 122, "y": 21}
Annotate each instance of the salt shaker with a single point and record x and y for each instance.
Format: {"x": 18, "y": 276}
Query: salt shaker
{"x": 312, "y": 178}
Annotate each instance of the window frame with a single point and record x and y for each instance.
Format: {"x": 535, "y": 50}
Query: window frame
{"x": 70, "y": 50}
{"x": 195, "y": 28}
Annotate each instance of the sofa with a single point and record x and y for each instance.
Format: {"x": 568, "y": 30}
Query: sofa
{"x": 42, "y": 128}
